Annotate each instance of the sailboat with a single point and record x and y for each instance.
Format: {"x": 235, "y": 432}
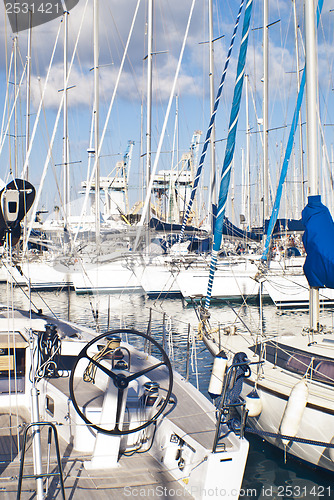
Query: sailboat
{"x": 182, "y": 273}
{"x": 63, "y": 256}
{"x": 289, "y": 394}
{"x": 84, "y": 413}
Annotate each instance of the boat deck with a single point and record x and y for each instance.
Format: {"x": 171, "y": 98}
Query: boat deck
{"x": 189, "y": 410}
{"x": 137, "y": 475}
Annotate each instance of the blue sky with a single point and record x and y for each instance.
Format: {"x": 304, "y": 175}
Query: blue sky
{"x": 170, "y": 18}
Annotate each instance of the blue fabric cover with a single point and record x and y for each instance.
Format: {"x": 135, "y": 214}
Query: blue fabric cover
{"x": 318, "y": 241}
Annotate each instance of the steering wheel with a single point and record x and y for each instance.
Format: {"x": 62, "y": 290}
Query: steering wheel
{"x": 121, "y": 381}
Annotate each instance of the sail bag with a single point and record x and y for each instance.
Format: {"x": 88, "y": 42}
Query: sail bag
{"x": 318, "y": 242}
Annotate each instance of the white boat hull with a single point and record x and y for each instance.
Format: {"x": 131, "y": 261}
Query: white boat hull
{"x": 293, "y": 291}
{"x": 159, "y": 281}
{"x": 112, "y": 278}
{"x": 274, "y": 385}
{"x": 317, "y": 425}
{"x": 40, "y": 275}
{"x": 232, "y": 282}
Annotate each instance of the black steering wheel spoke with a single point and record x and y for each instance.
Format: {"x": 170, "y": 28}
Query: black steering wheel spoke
{"x": 120, "y": 396}
{"x": 108, "y": 372}
{"x": 121, "y": 380}
{"x": 144, "y": 371}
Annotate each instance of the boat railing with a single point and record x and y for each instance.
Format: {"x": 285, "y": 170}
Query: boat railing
{"x": 35, "y": 427}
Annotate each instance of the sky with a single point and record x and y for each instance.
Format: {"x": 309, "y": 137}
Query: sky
{"x": 190, "y": 110}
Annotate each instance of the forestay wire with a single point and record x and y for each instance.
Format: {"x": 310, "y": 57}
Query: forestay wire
{"x": 211, "y": 124}
{"x": 230, "y": 146}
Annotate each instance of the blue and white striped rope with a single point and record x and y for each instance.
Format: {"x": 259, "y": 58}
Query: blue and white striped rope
{"x": 230, "y": 146}
{"x": 212, "y": 121}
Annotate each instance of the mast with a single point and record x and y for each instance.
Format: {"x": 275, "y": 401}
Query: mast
{"x": 212, "y": 120}
{"x": 265, "y": 113}
{"x": 298, "y": 86}
{"x": 233, "y": 193}
{"x": 312, "y": 130}
{"x": 65, "y": 125}
{"x": 28, "y": 92}
{"x": 27, "y": 124}
{"x": 248, "y": 206}
{"x": 149, "y": 99}
{"x": 15, "y": 108}
{"x": 213, "y": 188}
{"x": 126, "y": 172}
{"x": 229, "y": 151}
{"x": 96, "y": 123}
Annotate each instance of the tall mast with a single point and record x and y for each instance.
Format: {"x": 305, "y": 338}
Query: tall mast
{"x": 312, "y": 130}
{"x": 15, "y": 109}
{"x": 298, "y": 85}
{"x": 149, "y": 98}
{"x": 213, "y": 187}
{"x": 27, "y": 125}
{"x": 248, "y": 205}
{"x": 65, "y": 125}
{"x": 28, "y": 90}
{"x": 96, "y": 123}
{"x": 265, "y": 112}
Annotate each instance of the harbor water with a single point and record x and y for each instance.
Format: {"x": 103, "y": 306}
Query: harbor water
{"x": 269, "y": 473}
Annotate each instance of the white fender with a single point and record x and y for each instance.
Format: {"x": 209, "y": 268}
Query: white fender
{"x": 217, "y": 375}
{"x": 253, "y": 403}
{"x": 331, "y": 450}
{"x": 294, "y": 410}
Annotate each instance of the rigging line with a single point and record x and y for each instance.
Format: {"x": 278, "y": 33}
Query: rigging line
{"x": 157, "y": 157}
{"x": 239, "y": 317}
{"x": 10, "y": 329}
{"x": 13, "y": 108}
{"x": 8, "y": 71}
{"x": 230, "y": 146}
{"x": 98, "y": 152}
{"x": 25, "y": 166}
{"x": 133, "y": 70}
{"x": 47, "y": 143}
{"x": 26, "y": 295}
{"x": 38, "y": 196}
{"x": 288, "y": 152}
{"x": 325, "y": 152}
{"x": 211, "y": 124}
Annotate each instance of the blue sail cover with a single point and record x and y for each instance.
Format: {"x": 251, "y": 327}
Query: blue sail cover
{"x": 318, "y": 241}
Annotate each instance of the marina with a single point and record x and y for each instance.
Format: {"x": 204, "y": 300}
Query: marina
{"x": 268, "y": 473}
{"x": 166, "y": 295}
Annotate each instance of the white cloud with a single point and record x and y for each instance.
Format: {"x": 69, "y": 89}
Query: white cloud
{"x": 80, "y": 93}
{"x": 113, "y": 34}
{"x": 169, "y": 26}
